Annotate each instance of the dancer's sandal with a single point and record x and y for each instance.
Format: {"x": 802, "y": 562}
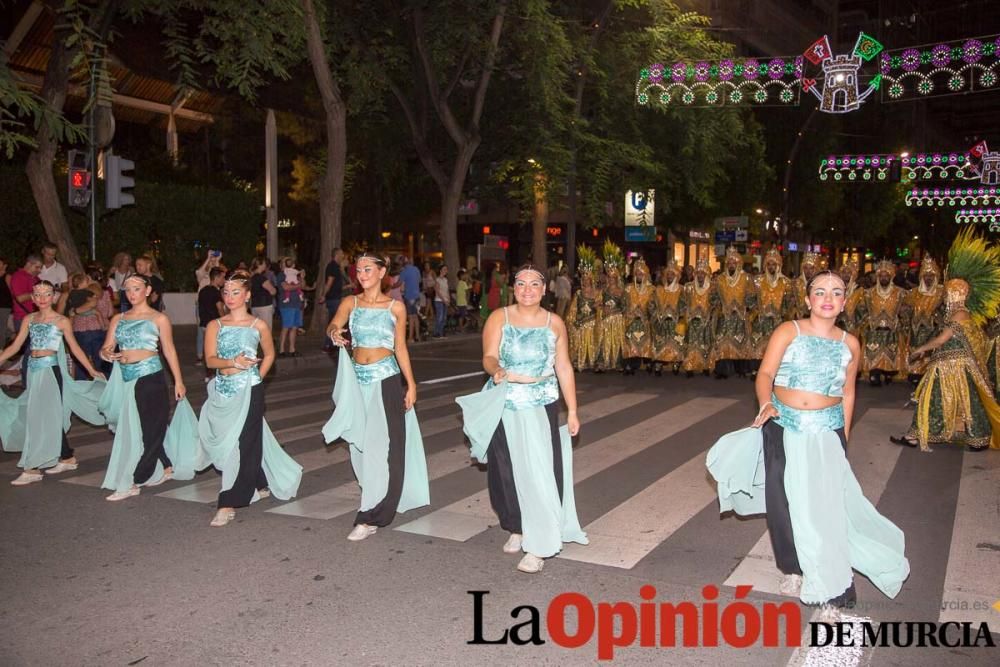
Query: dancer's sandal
{"x": 222, "y": 517}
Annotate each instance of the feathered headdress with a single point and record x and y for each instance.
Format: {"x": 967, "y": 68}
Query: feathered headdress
{"x": 614, "y": 260}
{"x": 586, "y": 259}
{"x": 976, "y": 263}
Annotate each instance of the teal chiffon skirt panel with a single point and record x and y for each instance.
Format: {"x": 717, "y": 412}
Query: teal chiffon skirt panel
{"x": 219, "y": 426}
{"x": 34, "y": 422}
{"x": 181, "y": 443}
{"x": 545, "y": 521}
{"x": 736, "y": 462}
{"x": 835, "y": 527}
{"x": 359, "y": 418}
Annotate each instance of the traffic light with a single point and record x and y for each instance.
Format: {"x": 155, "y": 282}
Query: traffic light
{"x": 116, "y": 182}
{"x": 78, "y": 179}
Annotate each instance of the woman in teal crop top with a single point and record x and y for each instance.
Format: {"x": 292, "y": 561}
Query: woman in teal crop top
{"x": 231, "y": 426}
{"x": 388, "y": 459}
{"x": 136, "y": 403}
{"x": 821, "y": 526}
{"x": 35, "y": 423}
{"x": 513, "y": 425}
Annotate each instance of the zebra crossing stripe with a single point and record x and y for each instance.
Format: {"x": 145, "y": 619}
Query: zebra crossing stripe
{"x": 344, "y": 498}
{"x": 472, "y": 515}
{"x": 971, "y": 590}
{"x": 872, "y": 458}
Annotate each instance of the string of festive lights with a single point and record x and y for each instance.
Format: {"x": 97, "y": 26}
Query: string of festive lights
{"x": 918, "y": 167}
{"x": 961, "y": 66}
{"x": 977, "y": 196}
{"x": 972, "y": 215}
{"x": 721, "y": 83}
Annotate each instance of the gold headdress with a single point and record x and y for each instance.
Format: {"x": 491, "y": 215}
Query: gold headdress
{"x": 614, "y": 261}
{"x": 774, "y": 254}
{"x": 640, "y": 264}
{"x": 810, "y": 259}
{"x": 586, "y": 259}
{"x": 885, "y": 266}
{"x": 973, "y": 275}
{"x": 852, "y": 268}
{"x": 733, "y": 253}
{"x": 928, "y": 265}
{"x": 701, "y": 265}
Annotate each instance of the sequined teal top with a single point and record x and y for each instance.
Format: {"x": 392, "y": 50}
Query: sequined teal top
{"x": 814, "y": 364}
{"x": 140, "y": 334}
{"x": 230, "y": 342}
{"x": 372, "y": 327}
{"x": 529, "y": 351}
{"x": 44, "y": 336}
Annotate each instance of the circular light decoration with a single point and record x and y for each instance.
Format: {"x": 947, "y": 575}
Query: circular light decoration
{"x": 687, "y": 97}
{"x": 786, "y": 96}
{"x": 972, "y": 51}
{"x": 760, "y": 96}
{"x": 941, "y": 55}
{"x": 956, "y": 83}
{"x": 896, "y": 91}
{"x": 988, "y": 79}
{"x": 711, "y": 97}
{"x": 925, "y": 87}
{"x": 736, "y": 97}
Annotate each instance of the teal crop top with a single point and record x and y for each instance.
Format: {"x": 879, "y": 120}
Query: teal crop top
{"x": 529, "y": 351}
{"x": 45, "y": 336}
{"x": 229, "y": 343}
{"x": 137, "y": 334}
{"x": 372, "y": 327}
{"x": 814, "y": 364}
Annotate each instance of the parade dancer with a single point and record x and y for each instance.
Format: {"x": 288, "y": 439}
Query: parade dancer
{"x": 150, "y": 447}
{"x": 664, "y": 321}
{"x": 611, "y": 336}
{"x": 735, "y": 298}
{"x": 374, "y": 410}
{"x": 955, "y": 400}
{"x": 925, "y": 307}
{"x": 513, "y": 425}
{"x": 807, "y": 269}
{"x": 883, "y": 312}
{"x": 993, "y": 359}
{"x": 231, "y": 425}
{"x": 697, "y": 307}
{"x": 774, "y": 300}
{"x": 35, "y": 423}
{"x": 820, "y": 523}
{"x": 582, "y": 316}
{"x": 638, "y": 342}
{"x": 848, "y": 320}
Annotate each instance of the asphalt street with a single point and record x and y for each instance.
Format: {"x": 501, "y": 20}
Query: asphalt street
{"x": 147, "y": 582}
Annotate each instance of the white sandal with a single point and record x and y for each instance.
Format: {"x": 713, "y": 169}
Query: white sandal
{"x": 222, "y": 517}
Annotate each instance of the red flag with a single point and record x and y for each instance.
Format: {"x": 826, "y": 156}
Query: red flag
{"x": 819, "y": 51}
{"x": 979, "y": 149}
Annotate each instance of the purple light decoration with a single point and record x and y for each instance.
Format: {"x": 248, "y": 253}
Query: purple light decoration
{"x": 726, "y": 70}
{"x": 776, "y": 69}
{"x": 701, "y": 71}
{"x": 941, "y": 55}
{"x": 656, "y": 73}
{"x": 911, "y": 60}
{"x": 885, "y": 63}
{"x": 678, "y": 73}
{"x": 798, "y": 66}
{"x": 972, "y": 51}
{"x": 750, "y": 69}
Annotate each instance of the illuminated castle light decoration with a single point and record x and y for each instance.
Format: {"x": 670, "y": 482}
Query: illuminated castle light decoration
{"x": 841, "y": 91}
{"x": 989, "y": 168}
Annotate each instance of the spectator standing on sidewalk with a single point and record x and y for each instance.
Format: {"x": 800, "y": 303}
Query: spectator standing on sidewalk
{"x": 442, "y": 299}
{"x": 21, "y": 283}
{"x": 462, "y": 299}
{"x": 213, "y": 259}
{"x": 563, "y": 289}
{"x": 262, "y": 291}
{"x": 337, "y": 283}
{"x": 6, "y": 301}
{"x": 145, "y": 266}
{"x": 52, "y": 270}
{"x": 210, "y": 307}
{"x": 410, "y": 275}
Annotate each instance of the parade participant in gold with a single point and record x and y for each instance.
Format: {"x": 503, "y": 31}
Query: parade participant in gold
{"x": 882, "y": 316}
{"x": 638, "y": 341}
{"x": 807, "y": 269}
{"x": 582, "y": 315}
{"x": 774, "y": 301}
{"x": 696, "y": 308}
{"x": 735, "y": 300}
{"x": 925, "y": 307}
{"x": 612, "y": 319}
{"x": 993, "y": 361}
{"x": 848, "y": 320}
{"x": 955, "y": 402}
{"x": 664, "y": 321}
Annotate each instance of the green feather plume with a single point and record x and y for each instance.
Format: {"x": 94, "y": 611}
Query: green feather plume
{"x": 613, "y": 257}
{"x": 586, "y": 259}
{"x": 976, "y": 262}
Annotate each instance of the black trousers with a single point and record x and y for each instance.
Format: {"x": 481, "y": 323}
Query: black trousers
{"x": 154, "y": 415}
{"x": 395, "y": 421}
{"x": 500, "y": 473}
{"x": 65, "y": 452}
{"x": 251, "y": 475}
{"x": 779, "y": 522}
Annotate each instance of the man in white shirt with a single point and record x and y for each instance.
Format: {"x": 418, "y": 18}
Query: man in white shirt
{"x": 52, "y": 270}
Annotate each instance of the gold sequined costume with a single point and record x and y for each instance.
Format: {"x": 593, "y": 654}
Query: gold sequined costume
{"x": 638, "y": 340}
{"x": 697, "y": 307}
{"x": 925, "y": 305}
{"x": 774, "y": 301}
{"x": 848, "y": 319}
{"x": 807, "y": 269}
{"x": 582, "y": 315}
{"x": 611, "y": 325}
{"x": 664, "y": 313}
{"x": 883, "y": 314}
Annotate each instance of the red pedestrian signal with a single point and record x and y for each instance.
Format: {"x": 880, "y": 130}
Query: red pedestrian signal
{"x": 79, "y": 191}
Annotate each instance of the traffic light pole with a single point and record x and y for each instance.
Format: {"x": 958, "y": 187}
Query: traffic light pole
{"x": 92, "y": 153}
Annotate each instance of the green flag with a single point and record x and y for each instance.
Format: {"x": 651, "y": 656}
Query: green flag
{"x": 867, "y": 47}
